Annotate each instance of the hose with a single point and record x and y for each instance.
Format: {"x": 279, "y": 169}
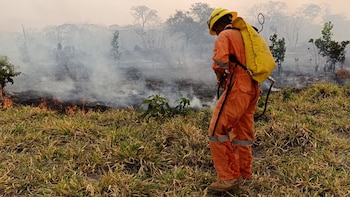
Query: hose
{"x": 267, "y": 97}
{"x": 229, "y": 88}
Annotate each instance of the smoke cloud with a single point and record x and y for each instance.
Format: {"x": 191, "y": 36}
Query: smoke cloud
{"x": 73, "y": 62}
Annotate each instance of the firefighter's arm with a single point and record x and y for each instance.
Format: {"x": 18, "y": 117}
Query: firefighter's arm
{"x": 220, "y": 58}
{"x": 220, "y": 74}
{"x": 221, "y": 54}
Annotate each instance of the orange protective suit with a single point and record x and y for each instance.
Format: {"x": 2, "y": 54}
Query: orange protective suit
{"x": 232, "y": 122}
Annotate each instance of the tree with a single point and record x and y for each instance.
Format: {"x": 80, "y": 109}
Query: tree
{"x": 200, "y": 13}
{"x": 317, "y": 56}
{"x": 310, "y": 13}
{"x": 24, "y": 48}
{"x": 144, "y": 15}
{"x": 7, "y": 72}
{"x": 146, "y": 19}
{"x": 278, "y": 50}
{"x": 115, "y": 46}
{"x": 274, "y": 16}
{"x": 191, "y": 24}
{"x": 181, "y": 22}
{"x": 332, "y": 50}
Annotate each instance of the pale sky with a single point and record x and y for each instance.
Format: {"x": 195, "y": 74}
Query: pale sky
{"x": 40, "y": 13}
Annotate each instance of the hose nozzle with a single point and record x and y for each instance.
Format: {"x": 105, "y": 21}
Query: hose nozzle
{"x": 271, "y": 79}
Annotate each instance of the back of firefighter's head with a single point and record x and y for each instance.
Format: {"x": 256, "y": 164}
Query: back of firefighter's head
{"x": 218, "y": 19}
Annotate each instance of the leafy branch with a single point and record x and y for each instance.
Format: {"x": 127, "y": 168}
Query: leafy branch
{"x": 158, "y": 107}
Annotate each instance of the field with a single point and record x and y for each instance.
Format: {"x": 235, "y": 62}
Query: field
{"x": 301, "y": 149}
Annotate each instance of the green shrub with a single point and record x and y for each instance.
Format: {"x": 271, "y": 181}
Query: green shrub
{"x": 158, "y": 107}
{"x": 7, "y": 72}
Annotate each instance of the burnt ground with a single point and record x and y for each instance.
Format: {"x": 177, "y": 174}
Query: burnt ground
{"x": 44, "y": 100}
{"x": 206, "y": 93}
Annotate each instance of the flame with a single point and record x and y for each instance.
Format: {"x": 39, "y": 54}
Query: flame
{"x": 71, "y": 109}
{"x": 43, "y": 104}
{"x": 7, "y": 102}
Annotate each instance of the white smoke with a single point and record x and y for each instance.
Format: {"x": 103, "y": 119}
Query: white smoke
{"x": 73, "y": 62}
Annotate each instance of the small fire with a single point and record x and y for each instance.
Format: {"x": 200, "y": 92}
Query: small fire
{"x": 71, "y": 109}
{"x": 43, "y": 104}
{"x": 7, "y": 102}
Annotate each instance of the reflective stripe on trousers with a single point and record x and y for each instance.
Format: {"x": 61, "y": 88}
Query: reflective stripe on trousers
{"x": 224, "y": 138}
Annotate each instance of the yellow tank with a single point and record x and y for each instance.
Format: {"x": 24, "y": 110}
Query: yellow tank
{"x": 259, "y": 59}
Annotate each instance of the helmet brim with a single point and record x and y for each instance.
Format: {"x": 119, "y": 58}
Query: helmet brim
{"x": 212, "y": 22}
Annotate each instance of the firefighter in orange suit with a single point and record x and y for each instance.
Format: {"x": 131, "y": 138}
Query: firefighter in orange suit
{"x": 231, "y": 128}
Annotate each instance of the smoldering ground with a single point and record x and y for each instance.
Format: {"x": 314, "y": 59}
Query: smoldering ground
{"x": 74, "y": 63}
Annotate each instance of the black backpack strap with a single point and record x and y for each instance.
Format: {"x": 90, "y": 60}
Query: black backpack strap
{"x": 234, "y": 59}
{"x": 233, "y": 28}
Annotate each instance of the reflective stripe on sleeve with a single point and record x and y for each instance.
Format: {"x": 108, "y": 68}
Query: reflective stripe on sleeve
{"x": 221, "y": 138}
{"x": 242, "y": 142}
{"x": 222, "y": 64}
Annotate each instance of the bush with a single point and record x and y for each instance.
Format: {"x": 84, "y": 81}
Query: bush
{"x": 7, "y": 72}
{"x": 158, "y": 107}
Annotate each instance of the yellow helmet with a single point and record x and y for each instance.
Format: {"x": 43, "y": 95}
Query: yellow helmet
{"x": 216, "y": 15}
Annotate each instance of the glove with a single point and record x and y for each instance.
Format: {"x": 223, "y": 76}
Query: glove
{"x": 221, "y": 79}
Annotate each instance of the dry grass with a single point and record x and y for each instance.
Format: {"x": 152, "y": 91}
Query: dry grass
{"x": 302, "y": 149}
